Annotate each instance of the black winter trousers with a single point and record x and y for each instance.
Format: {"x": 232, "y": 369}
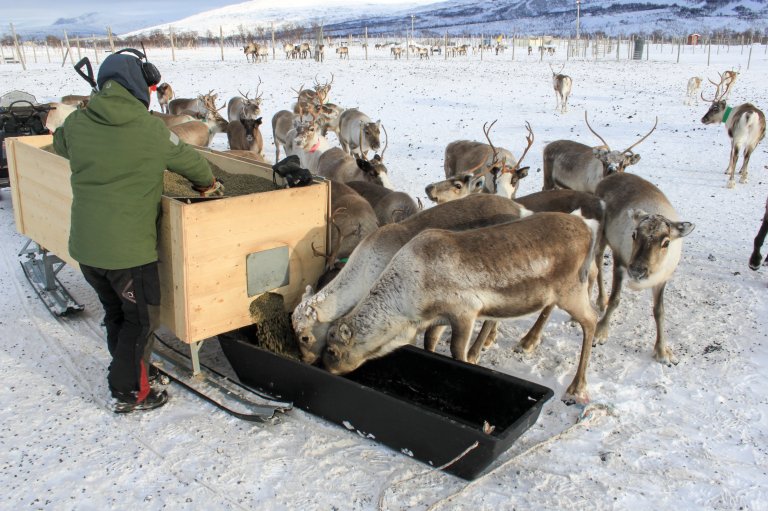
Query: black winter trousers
{"x": 131, "y": 299}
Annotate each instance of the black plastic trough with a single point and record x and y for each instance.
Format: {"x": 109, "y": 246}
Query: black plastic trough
{"x": 424, "y": 405}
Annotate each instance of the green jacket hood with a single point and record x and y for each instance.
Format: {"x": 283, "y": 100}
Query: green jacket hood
{"x": 113, "y": 105}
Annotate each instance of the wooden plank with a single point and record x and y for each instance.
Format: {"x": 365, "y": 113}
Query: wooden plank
{"x": 238, "y": 164}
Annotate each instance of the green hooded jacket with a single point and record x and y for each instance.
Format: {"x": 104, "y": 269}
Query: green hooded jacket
{"x": 118, "y": 153}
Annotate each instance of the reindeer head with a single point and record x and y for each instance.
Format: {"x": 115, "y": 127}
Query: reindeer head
{"x": 305, "y": 134}
{"x": 616, "y": 161}
{"x": 455, "y": 188}
{"x": 718, "y": 101}
{"x": 506, "y": 178}
{"x": 374, "y": 169}
{"x": 371, "y": 134}
{"x": 322, "y": 90}
{"x": 651, "y": 241}
{"x": 251, "y": 127}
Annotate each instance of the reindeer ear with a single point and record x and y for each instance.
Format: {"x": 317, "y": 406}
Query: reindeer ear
{"x": 636, "y": 215}
{"x": 364, "y": 165}
{"x": 345, "y": 333}
{"x": 258, "y": 121}
{"x": 599, "y": 153}
{"x": 478, "y": 184}
{"x": 522, "y": 172}
{"x": 634, "y": 159}
{"x": 681, "y": 229}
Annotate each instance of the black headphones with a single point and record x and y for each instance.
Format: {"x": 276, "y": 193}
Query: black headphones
{"x": 148, "y": 69}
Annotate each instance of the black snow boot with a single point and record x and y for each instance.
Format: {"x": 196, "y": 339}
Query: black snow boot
{"x": 127, "y": 403}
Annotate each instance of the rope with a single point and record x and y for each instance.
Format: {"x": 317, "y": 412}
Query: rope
{"x": 430, "y": 471}
{"x": 585, "y": 418}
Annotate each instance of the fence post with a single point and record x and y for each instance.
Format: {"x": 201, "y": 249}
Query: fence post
{"x": 618, "y": 46}
{"x": 111, "y": 41}
{"x": 95, "y": 49}
{"x": 47, "y": 52}
{"x": 749, "y": 59}
{"x": 18, "y": 50}
{"x": 77, "y": 44}
{"x": 445, "y": 46}
{"x": 273, "y": 40}
{"x": 709, "y": 50}
{"x": 221, "y": 42}
{"x": 678, "y": 51}
{"x": 366, "y": 43}
{"x": 173, "y": 45}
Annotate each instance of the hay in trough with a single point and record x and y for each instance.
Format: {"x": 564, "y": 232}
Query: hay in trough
{"x": 272, "y": 328}
{"x": 175, "y": 185}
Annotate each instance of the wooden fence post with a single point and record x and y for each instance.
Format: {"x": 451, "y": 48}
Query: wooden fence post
{"x": 366, "y": 43}
{"x": 173, "y": 45}
{"x": 221, "y": 42}
{"x": 445, "y": 46}
{"x": 18, "y": 50}
{"x": 47, "y": 52}
{"x": 709, "y": 50}
{"x": 749, "y": 59}
{"x": 95, "y": 49}
{"x": 111, "y": 41}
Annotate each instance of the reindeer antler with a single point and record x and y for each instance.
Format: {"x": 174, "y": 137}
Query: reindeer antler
{"x": 488, "y": 138}
{"x": 257, "y": 95}
{"x": 362, "y": 153}
{"x": 529, "y": 140}
{"x": 243, "y": 95}
{"x": 386, "y": 143}
{"x": 553, "y": 69}
{"x": 629, "y": 149}
{"x": 330, "y": 259}
{"x": 593, "y": 131}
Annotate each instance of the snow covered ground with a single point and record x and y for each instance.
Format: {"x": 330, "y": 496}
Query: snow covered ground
{"x": 692, "y": 436}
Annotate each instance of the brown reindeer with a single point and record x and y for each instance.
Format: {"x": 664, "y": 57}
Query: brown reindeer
{"x": 164, "y": 96}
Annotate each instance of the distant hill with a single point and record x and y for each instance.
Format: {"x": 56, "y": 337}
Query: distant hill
{"x": 344, "y": 17}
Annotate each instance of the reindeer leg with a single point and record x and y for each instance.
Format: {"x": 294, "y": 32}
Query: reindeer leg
{"x": 732, "y": 165}
{"x": 744, "y": 172}
{"x": 661, "y": 352}
{"x": 754, "y": 260}
{"x": 461, "y": 333}
{"x": 533, "y": 338}
{"x": 601, "y": 334}
{"x": 602, "y": 300}
{"x": 586, "y": 316}
{"x": 432, "y": 337}
{"x": 485, "y": 338}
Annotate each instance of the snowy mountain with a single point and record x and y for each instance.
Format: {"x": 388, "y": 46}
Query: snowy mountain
{"x": 342, "y": 17}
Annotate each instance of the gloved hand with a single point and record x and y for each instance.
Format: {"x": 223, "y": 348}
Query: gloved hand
{"x": 217, "y": 188}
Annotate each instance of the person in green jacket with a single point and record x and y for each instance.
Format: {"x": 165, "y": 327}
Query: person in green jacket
{"x": 118, "y": 153}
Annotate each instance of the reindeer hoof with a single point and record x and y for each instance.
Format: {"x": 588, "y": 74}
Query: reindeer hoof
{"x": 666, "y": 357}
{"x": 580, "y": 398}
{"x": 601, "y": 334}
{"x": 731, "y": 184}
{"x": 743, "y": 180}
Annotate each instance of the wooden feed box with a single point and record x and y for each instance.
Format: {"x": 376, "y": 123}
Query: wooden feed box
{"x": 204, "y": 246}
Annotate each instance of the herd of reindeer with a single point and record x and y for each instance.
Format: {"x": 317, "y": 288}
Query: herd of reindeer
{"x": 395, "y": 270}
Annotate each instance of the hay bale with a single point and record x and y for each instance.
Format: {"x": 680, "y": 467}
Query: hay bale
{"x": 175, "y": 185}
{"x": 272, "y": 327}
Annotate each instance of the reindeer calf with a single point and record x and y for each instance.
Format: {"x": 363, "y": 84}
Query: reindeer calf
{"x": 164, "y": 96}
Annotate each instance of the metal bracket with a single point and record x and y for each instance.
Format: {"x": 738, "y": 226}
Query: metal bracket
{"x": 41, "y": 268}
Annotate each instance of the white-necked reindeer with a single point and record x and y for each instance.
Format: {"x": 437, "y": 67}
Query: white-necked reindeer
{"x": 562, "y": 84}
{"x": 745, "y": 124}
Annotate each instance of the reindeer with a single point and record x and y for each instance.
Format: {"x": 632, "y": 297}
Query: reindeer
{"x": 421, "y": 287}
{"x": 57, "y": 114}
{"x": 200, "y": 133}
{"x": 241, "y": 107}
{"x": 164, "y": 95}
{"x": 305, "y": 141}
{"x": 282, "y": 124}
{"x": 745, "y": 125}
{"x": 311, "y": 319}
{"x": 353, "y": 220}
{"x": 754, "y": 259}
{"x": 172, "y": 120}
{"x": 694, "y": 84}
{"x": 576, "y": 166}
{"x": 188, "y": 106}
{"x": 251, "y": 52}
{"x": 311, "y": 99}
{"x": 468, "y": 164}
{"x": 75, "y": 100}
{"x": 423, "y": 53}
{"x": 320, "y": 52}
{"x": 337, "y": 165}
{"x": 562, "y": 84}
{"x": 329, "y": 118}
{"x": 305, "y": 51}
{"x": 288, "y": 49}
{"x": 245, "y": 135}
{"x": 389, "y": 205}
{"x": 263, "y": 52}
{"x": 351, "y": 123}
{"x": 343, "y": 52}
{"x": 645, "y": 235}
{"x": 396, "y": 52}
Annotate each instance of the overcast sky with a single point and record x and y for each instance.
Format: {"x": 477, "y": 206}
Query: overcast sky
{"x": 44, "y": 12}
